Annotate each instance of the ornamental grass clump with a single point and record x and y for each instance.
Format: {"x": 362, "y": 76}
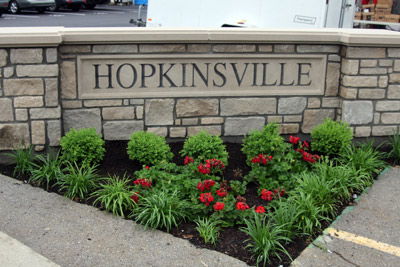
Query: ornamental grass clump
{"x": 208, "y": 229}
{"x": 23, "y": 160}
{"x": 148, "y": 148}
{"x": 331, "y": 137}
{"x": 84, "y": 146}
{"x": 394, "y": 142}
{"x": 46, "y": 170}
{"x": 204, "y": 146}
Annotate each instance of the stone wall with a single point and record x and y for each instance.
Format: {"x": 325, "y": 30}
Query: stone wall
{"x": 40, "y": 99}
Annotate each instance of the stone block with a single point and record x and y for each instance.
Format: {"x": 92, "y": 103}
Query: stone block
{"x": 383, "y": 81}
{"x": 6, "y": 110}
{"x": 71, "y": 104}
{"x": 284, "y": 48}
{"x": 21, "y": 114}
{"x": 115, "y": 49}
{"x": 314, "y": 103}
{"x": 293, "y": 118}
{"x": 212, "y": 120}
{"x": 54, "y": 132}
{"x": 42, "y": 70}
{"x": 334, "y": 58}
{"x": 365, "y": 52}
{"x": 165, "y": 48}
{"x": 121, "y": 130}
{"x": 119, "y": 113}
{"x": 38, "y": 133}
{"x": 159, "y": 112}
{"x": 39, "y": 148}
{"x": 139, "y": 112}
{"x": 390, "y": 118}
{"x": 350, "y": 66}
{"x": 102, "y": 103}
{"x": 360, "y": 81}
{"x": 3, "y": 57}
{"x": 248, "y": 106}
{"x": 265, "y": 48}
{"x": 8, "y": 72}
{"x": 126, "y": 102}
{"x": 82, "y": 118}
{"x": 213, "y": 130}
{"x": 160, "y": 131}
{"x": 292, "y": 105}
{"x": 51, "y": 55}
{"x": 383, "y": 130}
{"x": 68, "y": 80}
{"x": 178, "y": 122}
{"x": 373, "y": 71}
{"x": 348, "y": 93}
{"x": 396, "y": 66}
{"x": 51, "y": 92}
{"x": 314, "y": 117}
{"x": 191, "y": 121}
{"x": 13, "y": 135}
{"x": 371, "y": 93}
{"x": 288, "y": 128}
{"x": 369, "y": 63}
{"x": 74, "y": 49}
{"x": 241, "y": 126}
{"x": 16, "y": 87}
{"x": 387, "y": 106}
{"x": 332, "y": 79}
{"x": 177, "y": 132}
{"x": 136, "y": 101}
{"x": 377, "y": 118}
{"x": 357, "y": 112}
{"x": 28, "y": 102}
{"x": 362, "y": 132}
{"x": 394, "y": 52}
{"x": 386, "y": 63}
{"x": 234, "y": 48}
{"x": 26, "y": 55}
{"x": 330, "y": 102}
{"x": 199, "y": 48}
{"x": 276, "y": 119}
{"x": 45, "y": 113}
{"x": 393, "y": 92}
{"x": 318, "y": 49}
{"x": 394, "y": 78}
{"x": 197, "y": 107}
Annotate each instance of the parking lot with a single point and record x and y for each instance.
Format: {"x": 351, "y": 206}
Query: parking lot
{"x": 101, "y": 16}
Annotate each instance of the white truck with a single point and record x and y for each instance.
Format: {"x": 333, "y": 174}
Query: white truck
{"x": 251, "y": 13}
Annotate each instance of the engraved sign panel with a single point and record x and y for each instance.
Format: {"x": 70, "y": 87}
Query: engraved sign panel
{"x": 148, "y": 76}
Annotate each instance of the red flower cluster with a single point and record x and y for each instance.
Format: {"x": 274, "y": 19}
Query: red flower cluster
{"x": 310, "y": 157}
{"x": 203, "y": 169}
{"x": 206, "y": 198}
{"x": 143, "y": 182}
{"x": 135, "y": 197}
{"x": 266, "y": 195}
{"x": 280, "y": 191}
{"x": 219, "y": 206}
{"x": 188, "y": 160}
{"x": 260, "y": 209}
{"x": 261, "y": 159}
{"x": 147, "y": 168}
{"x": 206, "y": 185}
{"x": 210, "y": 163}
{"x": 294, "y": 140}
{"x": 222, "y": 192}
{"x": 242, "y": 206}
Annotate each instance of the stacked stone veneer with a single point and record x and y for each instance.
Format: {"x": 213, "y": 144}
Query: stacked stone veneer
{"x": 39, "y": 96}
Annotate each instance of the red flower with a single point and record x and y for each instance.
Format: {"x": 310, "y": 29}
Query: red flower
{"x": 305, "y": 144}
{"x": 206, "y": 198}
{"x": 222, "y": 193}
{"x": 294, "y": 140}
{"x": 143, "y": 182}
{"x": 135, "y": 197}
{"x": 262, "y": 158}
{"x": 206, "y": 185}
{"x": 242, "y": 206}
{"x": 147, "y": 167}
{"x": 188, "y": 160}
{"x": 266, "y": 195}
{"x": 260, "y": 209}
{"x": 219, "y": 206}
{"x": 203, "y": 169}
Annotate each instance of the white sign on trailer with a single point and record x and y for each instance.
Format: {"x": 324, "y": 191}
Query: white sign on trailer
{"x": 251, "y": 13}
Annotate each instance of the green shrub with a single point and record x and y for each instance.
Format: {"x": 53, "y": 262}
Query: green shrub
{"x": 85, "y": 146}
{"x": 115, "y": 195}
{"x": 47, "y": 169}
{"x": 148, "y": 148}
{"x": 203, "y": 146}
{"x": 23, "y": 160}
{"x": 268, "y": 142}
{"x": 78, "y": 181}
{"x": 331, "y": 137}
{"x": 394, "y": 142}
{"x": 208, "y": 229}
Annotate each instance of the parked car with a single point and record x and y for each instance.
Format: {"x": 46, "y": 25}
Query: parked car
{"x": 75, "y": 5}
{"x": 91, "y": 4}
{"x": 3, "y": 6}
{"x": 15, "y": 6}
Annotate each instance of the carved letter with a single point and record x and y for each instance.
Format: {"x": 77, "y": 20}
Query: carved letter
{"x": 264, "y": 83}
{"x": 144, "y": 76}
{"x": 283, "y": 76}
{"x": 204, "y": 79}
{"x": 301, "y": 74}
{"x": 165, "y": 75}
{"x": 134, "y": 75}
{"x": 239, "y": 80}
{"x": 220, "y": 74}
{"x": 183, "y": 75}
{"x": 97, "y": 75}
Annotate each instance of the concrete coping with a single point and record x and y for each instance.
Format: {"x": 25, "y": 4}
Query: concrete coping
{"x": 54, "y": 36}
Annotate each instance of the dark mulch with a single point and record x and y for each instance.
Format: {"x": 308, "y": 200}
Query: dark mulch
{"x": 231, "y": 240}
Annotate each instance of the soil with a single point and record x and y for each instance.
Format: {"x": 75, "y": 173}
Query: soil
{"x": 231, "y": 240}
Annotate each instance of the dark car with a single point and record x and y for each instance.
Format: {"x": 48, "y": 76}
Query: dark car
{"x": 75, "y": 5}
{"x": 91, "y": 4}
{"x": 3, "y": 6}
{"x": 15, "y": 6}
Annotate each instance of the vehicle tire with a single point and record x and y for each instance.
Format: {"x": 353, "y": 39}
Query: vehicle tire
{"x": 89, "y": 6}
{"x": 14, "y": 7}
{"x": 1, "y": 13}
{"x": 40, "y": 10}
{"x": 54, "y": 7}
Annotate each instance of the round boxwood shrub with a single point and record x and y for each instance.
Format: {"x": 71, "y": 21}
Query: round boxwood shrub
{"x": 331, "y": 137}
{"x": 203, "y": 146}
{"x": 148, "y": 148}
{"x": 83, "y": 146}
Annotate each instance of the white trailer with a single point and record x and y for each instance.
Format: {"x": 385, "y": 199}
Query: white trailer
{"x": 251, "y": 13}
